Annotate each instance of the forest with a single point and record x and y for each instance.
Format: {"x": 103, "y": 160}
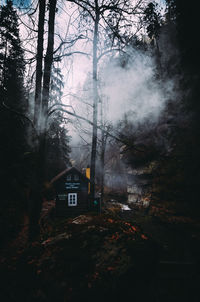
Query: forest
{"x": 107, "y": 90}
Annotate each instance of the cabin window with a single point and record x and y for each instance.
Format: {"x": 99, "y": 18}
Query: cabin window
{"x": 72, "y": 199}
{"x": 69, "y": 177}
{"x": 76, "y": 177}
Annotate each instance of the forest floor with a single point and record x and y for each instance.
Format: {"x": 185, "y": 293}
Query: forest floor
{"x": 134, "y": 255}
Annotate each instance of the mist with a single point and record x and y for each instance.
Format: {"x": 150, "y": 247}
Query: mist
{"x": 135, "y": 88}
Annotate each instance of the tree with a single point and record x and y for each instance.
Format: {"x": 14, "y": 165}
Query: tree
{"x": 12, "y": 64}
{"x": 153, "y": 21}
{"x": 41, "y": 112}
{"x": 112, "y": 17}
{"x": 39, "y": 62}
{"x": 13, "y": 126}
{"x": 57, "y": 149}
{"x": 188, "y": 74}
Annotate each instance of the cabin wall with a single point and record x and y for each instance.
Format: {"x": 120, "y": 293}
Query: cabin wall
{"x": 63, "y": 209}
{"x": 63, "y": 188}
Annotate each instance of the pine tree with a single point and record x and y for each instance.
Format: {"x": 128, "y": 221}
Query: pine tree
{"x": 12, "y": 64}
{"x": 57, "y": 138}
{"x": 12, "y": 107}
{"x": 12, "y": 93}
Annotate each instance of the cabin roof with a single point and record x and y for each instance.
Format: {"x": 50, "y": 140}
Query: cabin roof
{"x": 68, "y": 171}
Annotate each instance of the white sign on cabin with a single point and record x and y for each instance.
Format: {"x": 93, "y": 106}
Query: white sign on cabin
{"x": 72, "y": 185}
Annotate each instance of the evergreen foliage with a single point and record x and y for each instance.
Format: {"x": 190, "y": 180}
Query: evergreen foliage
{"x": 170, "y": 148}
{"x": 12, "y": 124}
{"x": 12, "y": 64}
{"x": 57, "y": 137}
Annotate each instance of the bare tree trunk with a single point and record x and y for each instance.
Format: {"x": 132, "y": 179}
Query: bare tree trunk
{"x": 39, "y": 57}
{"x": 102, "y": 154}
{"x": 102, "y": 166}
{"x": 36, "y": 196}
{"x": 48, "y": 63}
{"x": 46, "y": 84}
{"x": 95, "y": 104}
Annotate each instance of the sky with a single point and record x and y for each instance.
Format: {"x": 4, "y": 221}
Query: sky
{"x": 18, "y": 2}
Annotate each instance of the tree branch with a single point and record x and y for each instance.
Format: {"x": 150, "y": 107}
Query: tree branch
{"x": 57, "y": 104}
{"x": 72, "y": 42}
{"x": 98, "y": 127}
{"x": 20, "y": 114}
{"x": 70, "y": 54}
{"x": 108, "y": 51}
{"x": 84, "y": 7}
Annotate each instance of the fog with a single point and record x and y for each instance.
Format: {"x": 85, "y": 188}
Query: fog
{"x": 136, "y": 89}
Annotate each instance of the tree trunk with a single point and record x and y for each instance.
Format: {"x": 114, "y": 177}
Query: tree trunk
{"x": 48, "y": 64}
{"x": 104, "y": 137}
{"x": 39, "y": 57}
{"x": 102, "y": 167}
{"x": 38, "y": 182}
{"x": 95, "y": 106}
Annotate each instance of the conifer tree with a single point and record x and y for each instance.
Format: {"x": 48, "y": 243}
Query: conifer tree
{"x": 12, "y": 125}
{"x": 57, "y": 149}
{"x": 12, "y": 64}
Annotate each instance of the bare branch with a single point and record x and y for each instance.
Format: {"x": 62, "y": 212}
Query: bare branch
{"x": 87, "y": 3}
{"x": 50, "y": 111}
{"x": 27, "y": 26}
{"x": 98, "y": 127}
{"x": 108, "y": 51}
{"x": 20, "y": 114}
{"x": 71, "y": 43}
{"x": 70, "y": 54}
{"x": 117, "y": 8}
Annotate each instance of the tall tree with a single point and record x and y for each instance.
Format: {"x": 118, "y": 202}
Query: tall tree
{"x": 41, "y": 113}
{"x": 112, "y": 16}
{"x": 39, "y": 62}
{"x": 12, "y": 125}
{"x": 11, "y": 57}
{"x": 57, "y": 149}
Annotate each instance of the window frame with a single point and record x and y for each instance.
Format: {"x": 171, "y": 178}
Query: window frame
{"x": 72, "y": 199}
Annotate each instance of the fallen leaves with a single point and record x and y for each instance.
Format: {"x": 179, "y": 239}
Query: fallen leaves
{"x": 84, "y": 252}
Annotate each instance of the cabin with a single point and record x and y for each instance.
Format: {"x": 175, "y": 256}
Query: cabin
{"x": 72, "y": 192}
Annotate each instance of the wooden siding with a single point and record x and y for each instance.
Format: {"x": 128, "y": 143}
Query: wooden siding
{"x": 65, "y": 185}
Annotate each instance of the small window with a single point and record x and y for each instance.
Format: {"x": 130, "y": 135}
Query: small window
{"x": 76, "y": 177}
{"x": 69, "y": 177}
{"x": 72, "y": 199}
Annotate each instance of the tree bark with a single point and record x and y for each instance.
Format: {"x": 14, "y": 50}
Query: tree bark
{"x": 39, "y": 60}
{"x": 102, "y": 165}
{"x": 36, "y": 195}
{"x": 95, "y": 104}
{"x": 48, "y": 63}
{"x": 104, "y": 137}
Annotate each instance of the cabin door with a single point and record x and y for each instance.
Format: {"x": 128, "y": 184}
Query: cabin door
{"x": 72, "y": 199}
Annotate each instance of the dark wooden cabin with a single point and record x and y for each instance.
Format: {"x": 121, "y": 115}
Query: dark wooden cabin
{"x": 71, "y": 188}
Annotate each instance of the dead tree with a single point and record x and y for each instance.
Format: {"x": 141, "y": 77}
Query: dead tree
{"x": 113, "y": 14}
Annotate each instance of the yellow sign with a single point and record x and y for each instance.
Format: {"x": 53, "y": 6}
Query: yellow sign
{"x": 88, "y": 176}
